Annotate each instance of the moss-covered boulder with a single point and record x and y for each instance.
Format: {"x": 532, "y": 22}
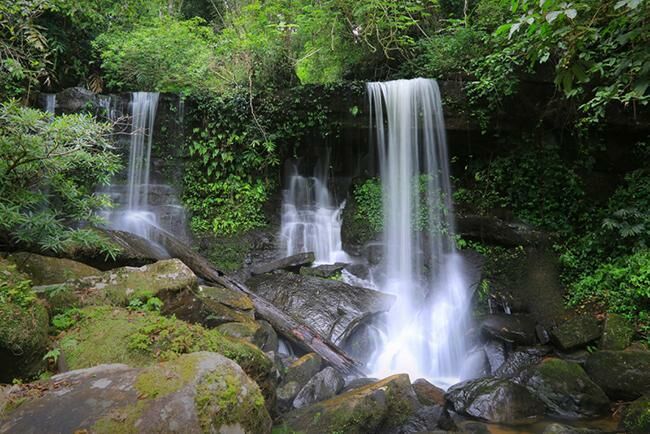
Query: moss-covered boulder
{"x": 119, "y": 286}
{"x": 636, "y": 416}
{"x": 565, "y": 389}
{"x": 617, "y": 333}
{"x": 576, "y": 332}
{"x": 303, "y": 369}
{"x": 116, "y": 335}
{"x": 195, "y": 393}
{"x": 621, "y": 374}
{"x": 495, "y": 400}
{"x": 373, "y": 408}
{"x": 47, "y": 270}
{"x": 23, "y": 326}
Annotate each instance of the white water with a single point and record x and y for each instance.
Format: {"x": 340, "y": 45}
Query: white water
{"x": 311, "y": 220}
{"x": 50, "y": 102}
{"x": 425, "y": 328}
{"x": 135, "y": 216}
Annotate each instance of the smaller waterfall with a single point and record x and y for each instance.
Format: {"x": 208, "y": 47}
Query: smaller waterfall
{"x": 50, "y": 102}
{"x": 311, "y": 220}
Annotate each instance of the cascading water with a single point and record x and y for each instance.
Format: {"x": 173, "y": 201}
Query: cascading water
{"x": 425, "y": 328}
{"x": 311, "y": 220}
{"x": 50, "y": 102}
{"x": 136, "y": 217}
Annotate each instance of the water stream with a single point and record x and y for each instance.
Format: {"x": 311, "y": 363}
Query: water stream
{"x": 424, "y": 333}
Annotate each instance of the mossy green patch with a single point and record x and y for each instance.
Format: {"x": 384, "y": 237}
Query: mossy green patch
{"x": 636, "y": 417}
{"x": 617, "y": 333}
{"x": 161, "y": 380}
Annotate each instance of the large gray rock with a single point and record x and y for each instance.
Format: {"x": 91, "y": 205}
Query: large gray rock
{"x": 617, "y": 333}
{"x": 377, "y": 407}
{"x": 519, "y": 329}
{"x": 565, "y": 389}
{"x": 291, "y": 263}
{"x": 576, "y": 332}
{"x": 332, "y": 308}
{"x": 196, "y": 393}
{"x": 495, "y": 400}
{"x": 47, "y": 270}
{"x": 621, "y": 374}
{"x": 496, "y": 354}
{"x": 323, "y": 385}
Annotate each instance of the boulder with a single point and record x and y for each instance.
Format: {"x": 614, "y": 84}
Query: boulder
{"x": 576, "y": 332}
{"x": 285, "y": 394}
{"x": 621, "y": 374}
{"x": 290, "y": 263}
{"x": 495, "y": 400}
{"x": 120, "y": 286}
{"x": 496, "y": 354}
{"x": 196, "y": 393}
{"x": 331, "y": 307}
{"x": 209, "y": 306}
{"x": 516, "y": 362}
{"x": 425, "y": 419}
{"x": 326, "y": 271}
{"x": 23, "y": 326}
{"x": 377, "y": 407}
{"x": 361, "y": 271}
{"x": 427, "y": 393}
{"x": 357, "y": 383}
{"x": 519, "y": 329}
{"x": 636, "y": 416}
{"x": 113, "y": 335}
{"x": 323, "y": 385}
{"x": 565, "y": 389}
{"x": 47, "y": 270}
{"x": 617, "y": 333}
{"x": 303, "y": 369}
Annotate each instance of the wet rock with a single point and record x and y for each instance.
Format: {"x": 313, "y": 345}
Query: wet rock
{"x": 362, "y": 342}
{"x": 621, "y": 374}
{"x": 359, "y": 270}
{"x": 576, "y": 332}
{"x": 285, "y": 394}
{"x": 76, "y": 100}
{"x": 494, "y": 230}
{"x": 121, "y": 285}
{"x": 576, "y": 356}
{"x": 617, "y": 333}
{"x": 565, "y": 389}
{"x": 425, "y": 419}
{"x": 519, "y": 329}
{"x": 495, "y": 400}
{"x": 356, "y": 383}
{"x": 248, "y": 331}
{"x": 496, "y": 354}
{"x": 331, "y": 307}
{"x": 270, "y": 341}
{"x": 543, "y": 336}
{"x": 516, "y": 362}
{"x": 377, "y": 407}
{"x": 47, "y": 270}
{"x": 636, "y": 416}
{"x": 200, "y": 392}
{"x": 325, "y": 271}
{"x": 290, "y": 263}
{"x": 303, "y": 369}
{"x": 323, "y": 385}
{"x": 427, "y": 393}
{"x": 23, "y": 329}
{"x": 558, "y": 428}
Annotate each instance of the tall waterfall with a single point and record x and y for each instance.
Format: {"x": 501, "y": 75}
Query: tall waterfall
{"x": 135, "y": 216}
{"x": 311, "y": 220}
{"x": 50, "y": 102}
{"x": 425, "y": 328}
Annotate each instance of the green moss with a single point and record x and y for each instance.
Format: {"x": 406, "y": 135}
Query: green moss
{"x": 560, "y": 370}
{"x": 161, "y": 380}
{"x": 617, "y": 333}
{"x": 636, "y": 417}
{"x": 222, "y": 399}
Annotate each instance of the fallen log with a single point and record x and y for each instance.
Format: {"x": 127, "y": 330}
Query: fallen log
{"x": 297, "y": 333}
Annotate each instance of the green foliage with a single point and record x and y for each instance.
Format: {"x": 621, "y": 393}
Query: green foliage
{"x": 52, "y": 355}
{"x": 620, "y": 286}
{"x": 15, "y": 287}
{"x": 163, "y": 54}
{"x": 145, "y": 302}
{"x": 67, "y": 319}
{"x": 369, "y": 199}
{"x": 49, "y": 168}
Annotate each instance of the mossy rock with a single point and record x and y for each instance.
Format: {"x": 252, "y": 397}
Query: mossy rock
{"x": 303, "y": 369}
{"x": 565, "y": 389}
{"x": 48, "y": 270}
{"x": 617, "y": 333}
{"x": 576, "y": 332}
{"x": 621, "y": 374}
{"x": 194, "y": 393}
{"x": 116, "y": 335}
{"x": 23, "y": 326}
{"x": 119, "y": 286}
{"x": 636, "y": 416}
{"x": 378, "y": 406}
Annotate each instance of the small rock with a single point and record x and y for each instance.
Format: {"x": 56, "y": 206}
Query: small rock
{"x": 576, "y": 332}
{"x": 543, "y": 336}
{"x": 617, "y": 333}
{"x": 323, "y": 385}
{"x": 290, "y": 263}
{"x": 495, "y": 400}
{"x": 427, "y": 393}
{"x": 519, "y": 329}
{"x": 621, "y": 374}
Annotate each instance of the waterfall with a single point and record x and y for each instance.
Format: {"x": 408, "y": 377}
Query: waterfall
{"x": 311, "y": 220}
{"x": 50, "y": 102}
{"x": 424, "y": 333}
{"x": 135, "y": 215}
